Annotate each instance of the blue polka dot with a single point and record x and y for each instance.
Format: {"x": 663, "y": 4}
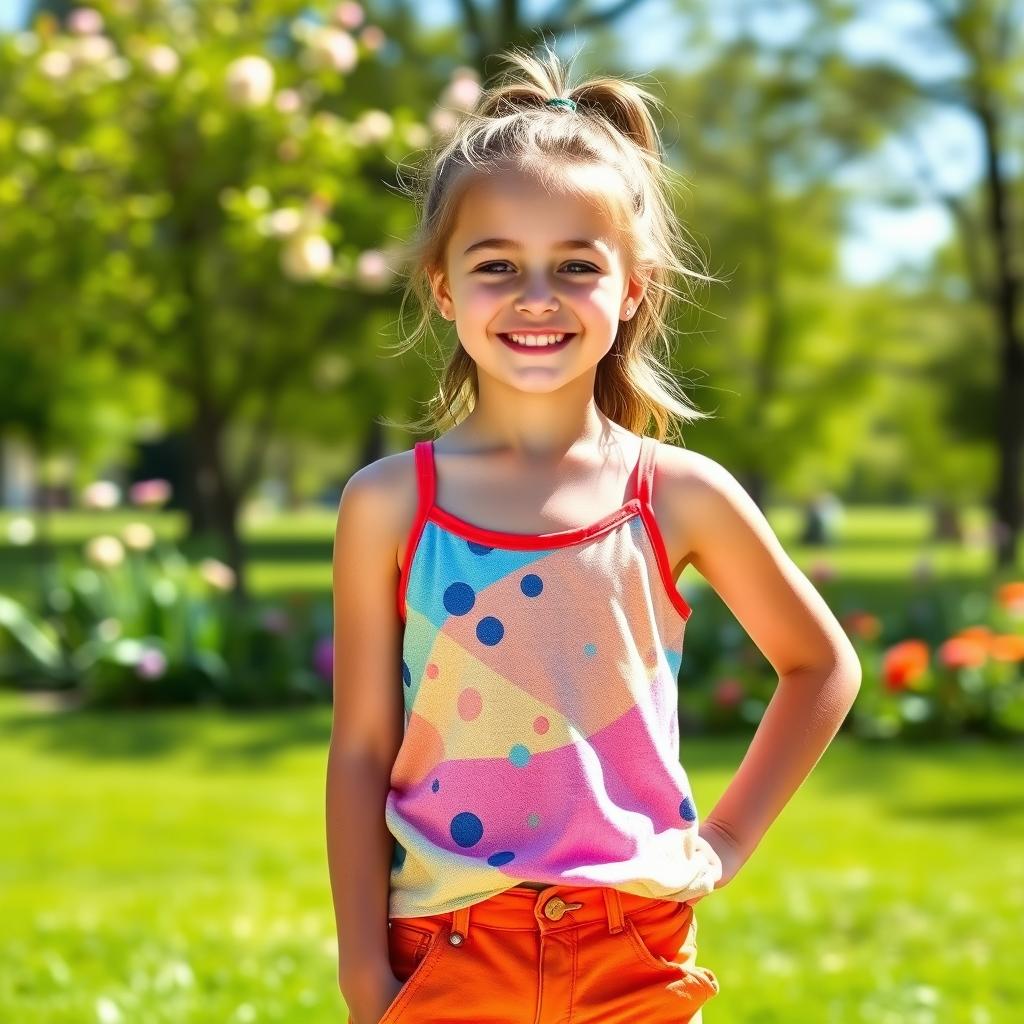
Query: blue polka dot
{"x": 467, "y": 829}
{"x": 478, "y": 549}
{"x": 406, "y": 674}
{"x": 590, "y": 650}
{"x": 497, "y": 859}
{"x": 531, "y": 584}
{"x": 489, "y": 630}
{"x": 687, "y": 811}
{"x": 459, "y": 598}
{"x": 519, "y": 755}
{"x": 436, "y": 785}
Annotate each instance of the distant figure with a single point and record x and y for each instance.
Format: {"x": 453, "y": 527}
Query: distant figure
{"x": 823, "y": 514}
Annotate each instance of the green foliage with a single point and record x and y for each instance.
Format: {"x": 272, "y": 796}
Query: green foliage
{"x": 195, "y": 225}
{"x": 134, "y": 624}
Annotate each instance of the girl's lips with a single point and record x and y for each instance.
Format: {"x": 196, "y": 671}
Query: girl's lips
{"x": 536, "y": 349}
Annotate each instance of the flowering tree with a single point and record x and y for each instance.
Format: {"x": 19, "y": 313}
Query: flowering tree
{"x": 194, "y": 198}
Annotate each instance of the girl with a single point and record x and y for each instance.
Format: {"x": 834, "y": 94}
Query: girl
{"x": 511, "y": 836}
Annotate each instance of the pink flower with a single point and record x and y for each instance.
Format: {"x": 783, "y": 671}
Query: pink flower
{"x": 323, "y": 658}
{"x": 151, "y": 664}
{"x": 349, "y": 15}
{"x": 276, "y": 621}
{"x": 84, "y": 21}
{"x": 822, "y": 571}
{"x": 152, "y": 493}
{"x": 728, "y": 693}
{"x": 372, "y": 37}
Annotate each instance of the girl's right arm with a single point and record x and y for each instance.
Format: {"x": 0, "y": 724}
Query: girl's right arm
{"x": 367, "y": 726}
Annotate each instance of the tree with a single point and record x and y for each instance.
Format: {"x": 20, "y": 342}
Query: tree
{"x": 985, "y": 39}
{"x": 217, "y": 174}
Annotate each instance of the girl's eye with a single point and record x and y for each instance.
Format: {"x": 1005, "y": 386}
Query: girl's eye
{"x": 487, "y": 268}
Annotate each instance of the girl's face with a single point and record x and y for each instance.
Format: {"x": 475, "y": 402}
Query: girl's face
{"x": 521, "y": 260}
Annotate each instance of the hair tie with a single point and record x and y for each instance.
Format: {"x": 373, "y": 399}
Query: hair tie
{"x": 571, "y": 104}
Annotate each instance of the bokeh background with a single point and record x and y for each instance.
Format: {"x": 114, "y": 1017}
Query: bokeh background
{"x": 200, "y": 209}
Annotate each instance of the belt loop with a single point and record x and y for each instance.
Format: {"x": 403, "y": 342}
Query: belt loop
{"x": 614, "y": 907}
{"x": 460, "y": 926}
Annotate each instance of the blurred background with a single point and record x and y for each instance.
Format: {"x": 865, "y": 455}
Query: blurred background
{"x": 200, "y": 211}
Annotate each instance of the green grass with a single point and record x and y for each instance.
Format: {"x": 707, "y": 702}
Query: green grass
{"x": 171, "y": 867}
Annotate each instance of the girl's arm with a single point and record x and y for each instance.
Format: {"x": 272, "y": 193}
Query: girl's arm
{"x": 366, "y": 732}
{"x": 733, "y": 547}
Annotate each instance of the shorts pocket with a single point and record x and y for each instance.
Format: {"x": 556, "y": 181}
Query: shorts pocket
{"x": 663, "y": 939}
{"x": 412, "y": 951}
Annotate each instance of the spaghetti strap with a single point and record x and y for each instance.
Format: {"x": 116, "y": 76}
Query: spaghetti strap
{"x": 425, "y": 482}
{"x": 645, "y": 470}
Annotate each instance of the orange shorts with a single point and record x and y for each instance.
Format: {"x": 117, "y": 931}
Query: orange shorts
{"x": 567, "y": 954}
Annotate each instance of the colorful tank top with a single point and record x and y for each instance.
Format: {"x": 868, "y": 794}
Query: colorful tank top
{"x": 541, "y": 737}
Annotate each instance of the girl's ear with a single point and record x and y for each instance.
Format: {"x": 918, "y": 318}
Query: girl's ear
{"x": 442, "y": 296}
{"x": 636, "y": 287}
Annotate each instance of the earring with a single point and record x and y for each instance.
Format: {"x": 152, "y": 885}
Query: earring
{"x": 629, "y": 310}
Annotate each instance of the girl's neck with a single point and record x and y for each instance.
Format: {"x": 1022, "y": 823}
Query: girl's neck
{"x": 533, "y": 440}
{"x": 541, "y": 427}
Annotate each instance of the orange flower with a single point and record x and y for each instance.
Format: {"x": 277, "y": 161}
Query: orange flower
{"x": 1006, "y": 647}
{"x": 1011, "y": 595}
{"x": 863, "y": 624}
{"x": 963, "y": 652}
{"x": 983, "y": 634}
{"x": 904, "y": 662}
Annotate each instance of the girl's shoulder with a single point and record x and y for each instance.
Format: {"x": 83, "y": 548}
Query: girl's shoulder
{"x": 696, "y": 493}
{"x": 387, "y": 489}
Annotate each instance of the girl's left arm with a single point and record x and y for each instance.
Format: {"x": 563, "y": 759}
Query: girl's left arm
{"x": 734, "y": 548}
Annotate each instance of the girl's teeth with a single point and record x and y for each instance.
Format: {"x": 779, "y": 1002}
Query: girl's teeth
{"x": 536, "y": 339}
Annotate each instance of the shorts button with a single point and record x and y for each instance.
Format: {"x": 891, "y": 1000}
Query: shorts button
{"x": 556, "y": 907}
{"x": 455, "y": 939}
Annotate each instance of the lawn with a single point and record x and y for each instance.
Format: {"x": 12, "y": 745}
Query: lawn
{"x": 170, "y": 867}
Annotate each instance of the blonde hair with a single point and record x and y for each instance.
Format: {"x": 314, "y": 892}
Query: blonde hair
{"x": 511, "y": 125}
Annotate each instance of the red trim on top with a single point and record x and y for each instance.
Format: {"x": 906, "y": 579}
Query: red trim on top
{"x": 645, "y": 494}
{"x": 526, "y": 541}
{"x": 533, "y": 541}
{"x": 425, "y": 490}
{"x": 661, "y": 555}
{"x": 642, "y": 477}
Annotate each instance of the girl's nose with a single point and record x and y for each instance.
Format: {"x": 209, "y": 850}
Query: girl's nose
{"x": 539, "y": 300}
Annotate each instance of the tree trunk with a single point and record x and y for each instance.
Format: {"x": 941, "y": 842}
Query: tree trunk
{"x": 217, "y": 503}
{"x": 1006, "y": 503}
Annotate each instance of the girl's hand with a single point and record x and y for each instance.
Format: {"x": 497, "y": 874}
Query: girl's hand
{"x": 369, "y": 1006}
{"x": 724, "y": 851}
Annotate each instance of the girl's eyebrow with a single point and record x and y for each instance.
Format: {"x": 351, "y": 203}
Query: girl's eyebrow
{"x": 505, "y": 243}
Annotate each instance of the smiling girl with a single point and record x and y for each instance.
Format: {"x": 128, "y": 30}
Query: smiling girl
{"x": 511, "y": 834}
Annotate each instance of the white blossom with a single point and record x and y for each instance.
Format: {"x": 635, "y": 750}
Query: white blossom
{"x": 306, "y": 256}
{"x": 101, "y": 494}
{"x": 332, "y": 48}
{"x": 161, "y": 60}
{"x": 105, "y": 551}
{"x": 217, "y": 574}
{"x": 250, "y": 81}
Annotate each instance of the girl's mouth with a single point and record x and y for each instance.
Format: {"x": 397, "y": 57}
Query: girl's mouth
{"x": 536, "y": 349}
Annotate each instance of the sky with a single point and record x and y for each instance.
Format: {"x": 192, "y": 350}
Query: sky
{"x": 878, "y": 240}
